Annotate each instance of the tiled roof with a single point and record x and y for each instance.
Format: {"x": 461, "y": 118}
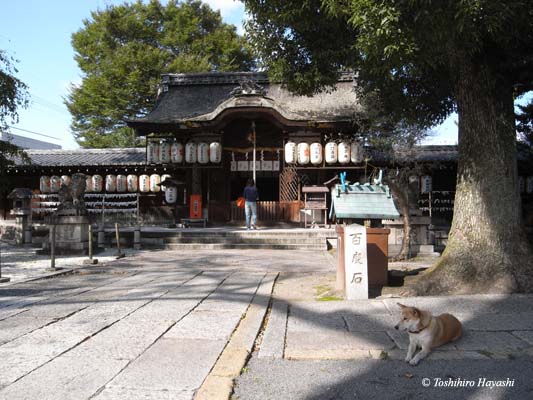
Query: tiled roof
{"x": 363, "y": 201}
{"x": 136, "y": 156}
{"x": 86, "y": 157}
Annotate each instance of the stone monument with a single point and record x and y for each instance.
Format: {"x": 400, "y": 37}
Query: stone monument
{"x": 21, "y": 198}
{"x": 70, "y": 222}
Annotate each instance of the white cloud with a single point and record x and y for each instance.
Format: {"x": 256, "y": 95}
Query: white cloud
{"x": 232, "y": 12}
{"x": 225, "y": 6}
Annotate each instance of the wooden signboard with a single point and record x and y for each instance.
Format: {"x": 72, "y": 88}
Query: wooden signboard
{"x": 356, "y": 262}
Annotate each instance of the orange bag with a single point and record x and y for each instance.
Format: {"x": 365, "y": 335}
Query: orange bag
{"x": 240, "y": 202}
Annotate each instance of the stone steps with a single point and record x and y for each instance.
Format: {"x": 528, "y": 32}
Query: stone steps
{"x": 231, "y": 238}
{"x": 243, "y": 246}
{"x": 260, "y": 239}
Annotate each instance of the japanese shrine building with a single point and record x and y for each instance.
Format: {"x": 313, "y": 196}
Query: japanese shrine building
{"x": 239, "y": 111}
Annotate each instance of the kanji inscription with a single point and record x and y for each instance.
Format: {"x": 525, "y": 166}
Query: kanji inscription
{"x": 355, "y": 262}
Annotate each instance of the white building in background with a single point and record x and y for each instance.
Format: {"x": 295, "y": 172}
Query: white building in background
{"x": 27, "y": 143}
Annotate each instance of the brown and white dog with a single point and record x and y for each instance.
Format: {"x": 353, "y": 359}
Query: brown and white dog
{"x": 426, "y": 331}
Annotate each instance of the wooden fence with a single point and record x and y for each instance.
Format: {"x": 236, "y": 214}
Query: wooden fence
{"x": 270, "y": 211}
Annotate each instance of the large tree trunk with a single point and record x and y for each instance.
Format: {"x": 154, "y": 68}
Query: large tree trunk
{"x": 487, "y": 249}
{"x": 402, "y": 200}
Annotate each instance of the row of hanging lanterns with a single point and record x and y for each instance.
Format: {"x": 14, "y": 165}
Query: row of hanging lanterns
{"x": 304, "y": 153}
{"x": 165, "y": 152}
{"x": 111, "y": 183}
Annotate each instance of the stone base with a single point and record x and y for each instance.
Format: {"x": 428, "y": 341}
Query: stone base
{"x": 72, "y": 236}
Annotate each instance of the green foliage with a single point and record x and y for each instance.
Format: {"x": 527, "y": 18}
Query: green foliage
{"x": 122, "y": 52}
{"x": 13, "y": 92}
{"x": 13, "y": 95}
{"x": 410, "y": 52}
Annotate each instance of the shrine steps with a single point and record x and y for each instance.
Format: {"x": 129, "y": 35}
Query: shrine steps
{"x": 213, "y": 239}
{"x": 253, "y": 239}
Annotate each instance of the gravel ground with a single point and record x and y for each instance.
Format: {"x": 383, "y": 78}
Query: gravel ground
{"x": 22, "y": 263}
{"x": 377, "y": 379}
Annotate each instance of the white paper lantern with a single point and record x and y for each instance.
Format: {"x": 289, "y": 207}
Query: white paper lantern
{"x": 215, "y": 152}
{"x": 55, "y": 183}
{"x": 44, "y": 184}
{"x": 88, "y": 184}
{"x": 98, "y": 183}
{"x": 303, "y": 153}
{"x": 144, "y": 183}
{"x": 176, "y": 153}
{"x": 155, "y": 180}
{"x": 133, "y": 183}
{"x": 290, "y": 152}
{"x": 191, "y": 155}
{"x": 425, "y": 184}
{"x": 316, "y": 153}
{"x": 163, "y": 179}
{"x": 164, "y": 152}
{"x": 203, "y": 153}
{"x": 65, "y": 180}
{"x": 356, "y": 155}
{"x": 152, "y": 152}
{"x": 331, "y": 152}
{"x": 343, "y": 153}
{"x": 110, "y": 183}
{"x": 171, "y": 194}
{"x": 122, "y": 183}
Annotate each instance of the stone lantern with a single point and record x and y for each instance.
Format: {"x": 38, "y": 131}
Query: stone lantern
{"x": 21, "y": 209}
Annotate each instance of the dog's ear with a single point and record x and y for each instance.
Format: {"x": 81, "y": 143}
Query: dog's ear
{"x": 401, "y": 306}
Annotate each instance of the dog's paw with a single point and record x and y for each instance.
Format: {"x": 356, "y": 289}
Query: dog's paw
{"x": 413, "y": 362}
{"x": 407, "y": 359}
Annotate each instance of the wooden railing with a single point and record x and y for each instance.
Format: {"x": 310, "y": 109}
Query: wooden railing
{"x": 270, "y": 211}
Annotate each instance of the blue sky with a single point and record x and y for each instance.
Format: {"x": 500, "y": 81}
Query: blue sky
{"x": 37, "y": 33}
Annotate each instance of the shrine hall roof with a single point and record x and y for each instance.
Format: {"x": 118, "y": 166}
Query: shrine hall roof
{"x": 85, "y": 157}
{"x": 189, "y": 101}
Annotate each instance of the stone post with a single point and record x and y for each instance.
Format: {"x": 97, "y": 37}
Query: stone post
{"x": 101, "y": 236}
{"x": 137, "y": 238}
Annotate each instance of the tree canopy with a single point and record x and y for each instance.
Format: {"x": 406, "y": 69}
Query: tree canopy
{"x": 122, "y": 52}
{"x": 426, "y": 59}
{"x": 13, "y": 96}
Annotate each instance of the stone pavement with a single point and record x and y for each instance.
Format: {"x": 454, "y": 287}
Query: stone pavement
{"x": 151, "y": 327}
{"x": 307, "y": 343}
{"x": 181, "y": 325}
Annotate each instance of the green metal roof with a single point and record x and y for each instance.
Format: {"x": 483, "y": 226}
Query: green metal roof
{"x": 363, "y": 201}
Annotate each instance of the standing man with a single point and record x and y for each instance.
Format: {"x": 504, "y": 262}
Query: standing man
{"x": 251, "y": 195}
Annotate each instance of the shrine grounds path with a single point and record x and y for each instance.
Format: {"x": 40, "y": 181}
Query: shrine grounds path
{"x": 151, "y": 326}
{"x": 245, "y": 324}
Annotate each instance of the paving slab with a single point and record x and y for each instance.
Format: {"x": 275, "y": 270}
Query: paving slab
{"x": 273, "y": 342}
{"x": 490, "y": 341}
{"x": 125, "y": 340}
{"x": 334, "y": 322}
{"x": 213, "y": 325}
{"x": 170, "y": 364}
{"x": 518, "y": 321}
{"x": 526, "y": 336}
{"x": 335, "y": 344}
{"x": 121, "y": 393}
{"x": 65, "y": 378}
{"x": 20, "y": 325}
{"x": 372, "y": 323}
{"x": 470, "y": 304}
